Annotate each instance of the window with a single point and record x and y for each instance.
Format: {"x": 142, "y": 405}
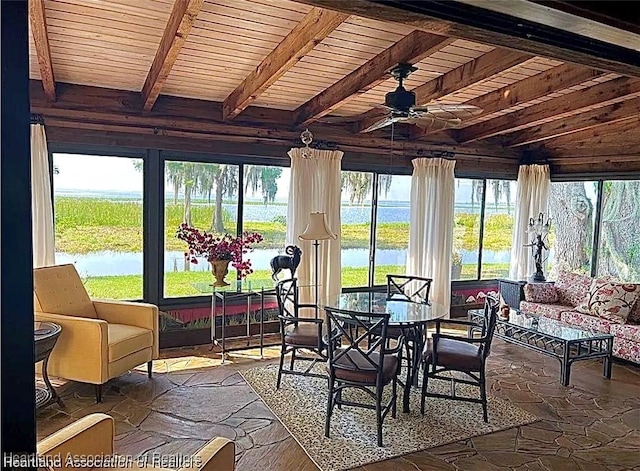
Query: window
{"x": 466, "y": 229}
{"x": 392, "y": 226}
{"x": 619, "y": 247}
{"x": 204, "y": 195}
{"x": 266, "y": 195}
{"x": 498, "y": 228}
{"x": 98, "y": 222}
{"x": 572, "y": 207}
{"x": 355, "y": 217}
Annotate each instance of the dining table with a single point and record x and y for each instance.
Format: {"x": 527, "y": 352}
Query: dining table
{"x": 408, "y": 316}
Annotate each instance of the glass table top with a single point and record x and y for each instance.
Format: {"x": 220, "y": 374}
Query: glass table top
{"x": 402, "y": 312}
{"x": 237, "y": 286}
{"x": 552, "y": 327}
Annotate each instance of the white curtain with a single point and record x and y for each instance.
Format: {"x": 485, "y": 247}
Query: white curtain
{"x": 315, "y": 187}
{"x": 41, "y": 205}
{"x": 431, "y": 224}
{"x": 531, "y": 199}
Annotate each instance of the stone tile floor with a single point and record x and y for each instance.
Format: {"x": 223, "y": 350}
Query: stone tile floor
{"x": 594, "y": 424}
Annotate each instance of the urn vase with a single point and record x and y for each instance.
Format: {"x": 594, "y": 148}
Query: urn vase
{"x": 220, "y": 268}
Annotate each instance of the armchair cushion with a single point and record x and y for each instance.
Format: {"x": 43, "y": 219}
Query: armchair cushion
{"x": 572, "y": 288}
{"x": 540, "y": 293}
{"x": 303, "y": 334}
{"x": 126, "y": 339}
{"x": 455, "y": 354}
{"x": 59, "y": 290}
{"x": 359, "y": 370}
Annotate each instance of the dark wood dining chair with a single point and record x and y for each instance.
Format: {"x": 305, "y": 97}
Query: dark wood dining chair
{"x": 361, "y": 360}
{"x": 298, "y": 333}
{"x": 464, "y": 354}
{"x": 415, "y": 289}
{"x": 408, "y": 288}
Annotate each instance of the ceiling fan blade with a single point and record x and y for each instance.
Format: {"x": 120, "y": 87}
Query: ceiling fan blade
{"x": 385, "y": 121}
{"x": 444, "y": 111}
{"x": 433, "y": 124}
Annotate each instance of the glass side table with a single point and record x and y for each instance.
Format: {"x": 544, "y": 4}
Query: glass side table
{"x": 45, "y": 336}
{"x": 237, "y": 292}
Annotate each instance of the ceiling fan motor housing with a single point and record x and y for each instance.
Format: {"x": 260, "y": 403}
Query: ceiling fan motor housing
{"x": 400, "y": 99}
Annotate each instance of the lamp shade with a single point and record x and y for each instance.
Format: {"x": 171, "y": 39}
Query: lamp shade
{"x": 317, "y": 229}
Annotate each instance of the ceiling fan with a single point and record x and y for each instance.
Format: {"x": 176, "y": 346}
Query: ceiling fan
{"x": 401, "y": 107}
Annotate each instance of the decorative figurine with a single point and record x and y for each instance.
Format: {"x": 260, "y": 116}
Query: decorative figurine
{"x": 289, "y": 261}
{"x": 540, "y": 229}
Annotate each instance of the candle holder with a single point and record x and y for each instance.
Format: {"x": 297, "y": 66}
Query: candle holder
{"x": 539, "y": 228}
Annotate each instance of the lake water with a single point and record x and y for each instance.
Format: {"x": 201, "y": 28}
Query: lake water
{"x": 130, "y": 263}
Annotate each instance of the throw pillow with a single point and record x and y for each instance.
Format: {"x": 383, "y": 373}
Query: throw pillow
{"x": 634, "y": 315}
{"x": 540, "y": 293}
{"x": 572, "y": 288}
{"x": 610, "y": 300}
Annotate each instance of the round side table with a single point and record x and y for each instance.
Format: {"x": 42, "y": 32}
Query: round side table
{"x": 45, "y": 336}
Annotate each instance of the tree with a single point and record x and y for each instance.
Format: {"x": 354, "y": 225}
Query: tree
{"x": 571, "y": 212}
{"x": 358, "y": 184}
{"x": 261, "y": 178}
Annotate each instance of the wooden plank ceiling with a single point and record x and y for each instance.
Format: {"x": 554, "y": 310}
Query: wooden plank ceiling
{"x": 266, "y": 61}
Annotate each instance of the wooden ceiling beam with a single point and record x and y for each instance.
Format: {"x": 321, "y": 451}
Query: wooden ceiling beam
{"x": 38, "y": 22}
{"x": 612, "y": 133}
{"x": 557, "y": 108}
{"x": 412, "y": 48}
{"x": 591, "y": 119}
{"x": 183, "y": 15}
{"x": 534, "y": 87}
{"x": 310, "y": 31}
{"x": 457, "y": 20}
{"x": 481, "y": 68}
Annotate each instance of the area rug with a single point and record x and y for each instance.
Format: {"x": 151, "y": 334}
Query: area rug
{"x": 301, "y": 403}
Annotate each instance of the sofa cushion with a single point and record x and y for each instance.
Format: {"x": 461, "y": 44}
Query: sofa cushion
{"x": 59, "y": 290}
{"x": 610, "y": 300}
{"x": 587, "y": 322}
{"x": 540, "y": 293}
{"x": 552, "y": 311}
{"x": 127, "y": 339}
{"x": 634, "y": 315}
{"x": 572, "y": 288}
{"x": 626, "y": 349}
{"x": 626, "y": 331}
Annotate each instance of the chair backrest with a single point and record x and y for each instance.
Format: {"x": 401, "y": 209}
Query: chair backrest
{"x": 491, "y": 306}
{"x": 357, "y": 333}
{"x": 59, "y": 290}
{"x": 287, "y": 296}
{"x": 408, "y": 288}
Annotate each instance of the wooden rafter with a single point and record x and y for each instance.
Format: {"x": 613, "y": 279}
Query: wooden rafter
{"x": 621, "y": 132}
{"x": 534, "y": 87}
{"x": 481, "y": 68}
{"x": 412, "y": 48}
{"x": 591, "y": 119}
{"x": 38, "y": 23}
{"x": 182, "y": 17}
{"x": 556, "y": 108}
{"x": 310, "y": 31}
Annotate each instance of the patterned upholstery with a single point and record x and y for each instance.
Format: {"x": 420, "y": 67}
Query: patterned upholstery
{"x": 626, "y": 349}
{"x": 608, "y": 299}
{"x": 572, "y": 288}
{"x": 634, "y": 315}
{"x": 547, "y": 310}
{"x": 626, "y": 331}
{"x": 587, "y": 322}
{"x": 540, "y": 293}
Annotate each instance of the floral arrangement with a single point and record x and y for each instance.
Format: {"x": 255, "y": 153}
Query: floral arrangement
{"x": 226, "y": 247}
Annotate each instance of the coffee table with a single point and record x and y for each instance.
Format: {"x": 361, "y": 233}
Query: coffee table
{"x": 554, "y": 338}
{"x": 45, "y": 335}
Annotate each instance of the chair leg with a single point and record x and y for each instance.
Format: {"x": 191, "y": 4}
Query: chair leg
{"x": 149, "y": 368}
{"x": 329, "y": 406}
{"x": 98, "y": 389}
{"x": 394, "y": 392}
{"x": 425, "y": 384}
{"x": 379, "y": 414}
{"x": 483, "y": 395}
{"x": 293, "y": 358}
{"x": 282, "y": 353}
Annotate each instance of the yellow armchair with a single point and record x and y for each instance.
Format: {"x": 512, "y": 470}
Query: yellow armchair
{"x": 93, "y": 435}
{"x": 100, "y": 339}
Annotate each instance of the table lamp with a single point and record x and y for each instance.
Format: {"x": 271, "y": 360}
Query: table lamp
{"x": 317, "y": 230}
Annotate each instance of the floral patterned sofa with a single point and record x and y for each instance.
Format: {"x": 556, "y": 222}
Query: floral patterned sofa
{"x": 600, "y": 304}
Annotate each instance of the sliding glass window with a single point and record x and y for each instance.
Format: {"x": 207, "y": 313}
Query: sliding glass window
{"x": 466, "y": 229}
{"x": 392, "y": 226}
{"x": 205, "y": 196}
{"x": 98, "y": 222}
{"x": 619, "y": 247}
{"x": 498, "y": 228}
{"x": 355, "y": 218}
